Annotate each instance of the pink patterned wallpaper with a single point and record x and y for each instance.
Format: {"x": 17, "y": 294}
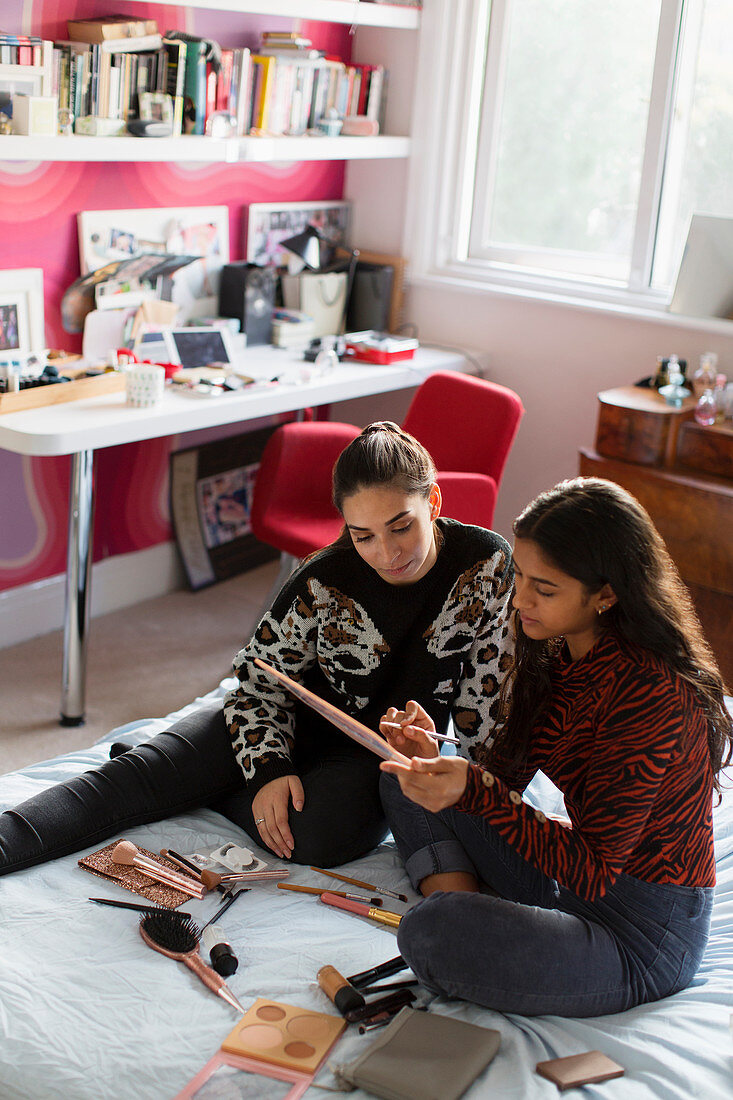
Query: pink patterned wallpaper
{"x": 38, "y": 208}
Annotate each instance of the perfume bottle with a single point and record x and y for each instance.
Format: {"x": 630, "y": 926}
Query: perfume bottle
{"x": 327, "y": 358}
{"x": 704, "y": 377}
{"x": 719, "y": 395}
{"x": 705, "y": 410}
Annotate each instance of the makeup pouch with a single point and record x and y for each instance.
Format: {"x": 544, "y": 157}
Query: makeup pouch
{"x": 422, "y": 1056}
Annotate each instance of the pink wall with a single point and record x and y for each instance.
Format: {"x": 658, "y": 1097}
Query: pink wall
{"x": 38, "y": 208}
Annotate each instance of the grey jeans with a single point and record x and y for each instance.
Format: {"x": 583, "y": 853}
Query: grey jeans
{"x": 537, "y": 948}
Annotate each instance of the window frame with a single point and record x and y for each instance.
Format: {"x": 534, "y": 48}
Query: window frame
{"x": 441, "y": 179}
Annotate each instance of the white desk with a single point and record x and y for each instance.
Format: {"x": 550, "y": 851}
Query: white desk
{"x": 79, "y": 428}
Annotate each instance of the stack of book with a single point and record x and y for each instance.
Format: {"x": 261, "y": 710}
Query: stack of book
{"x": 105, "y": 65}
{"x": 286, "y": 87}
{"x": 20, "y": 49}
{"x": 301, "y": 85}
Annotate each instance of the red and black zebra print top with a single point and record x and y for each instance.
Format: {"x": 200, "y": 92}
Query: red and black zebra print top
{"x": 625, "y": 740}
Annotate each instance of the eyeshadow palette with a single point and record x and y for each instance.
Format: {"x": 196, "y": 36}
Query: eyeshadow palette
{"x": 284, "y": 1035}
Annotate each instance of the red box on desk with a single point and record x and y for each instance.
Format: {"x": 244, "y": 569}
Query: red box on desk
{"x": 379, "y": 347}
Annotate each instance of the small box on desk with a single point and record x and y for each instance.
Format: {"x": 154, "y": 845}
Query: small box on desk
{"x": 379, "y": 347}
{"x": 35, "y": 115}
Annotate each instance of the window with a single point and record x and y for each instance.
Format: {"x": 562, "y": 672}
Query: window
{"x": 580, "y": 135}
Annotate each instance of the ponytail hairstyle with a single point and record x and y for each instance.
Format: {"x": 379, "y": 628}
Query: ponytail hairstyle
{"x": 598, "y": 533}
{"x": 381, "y": 455}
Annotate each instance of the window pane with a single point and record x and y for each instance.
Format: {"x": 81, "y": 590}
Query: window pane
{"x": 567, "y": 154}
{"x": 699, "y": 167}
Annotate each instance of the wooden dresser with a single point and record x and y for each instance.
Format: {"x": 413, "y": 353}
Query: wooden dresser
{"x": 683, "y": 475}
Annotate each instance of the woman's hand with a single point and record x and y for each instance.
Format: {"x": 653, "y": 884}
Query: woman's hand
{"x": 434, "y": 784}
{"x": 270, "y": 810}
{"x": 409, "y": 730}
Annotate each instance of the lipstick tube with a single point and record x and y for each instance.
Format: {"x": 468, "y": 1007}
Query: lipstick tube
{"x": 383, "y": 916}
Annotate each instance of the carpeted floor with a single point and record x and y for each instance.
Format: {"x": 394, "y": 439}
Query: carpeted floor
{"x": 144, "y": 662}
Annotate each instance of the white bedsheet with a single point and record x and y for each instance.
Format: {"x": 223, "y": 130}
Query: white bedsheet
{"x": 88, "y": 1012}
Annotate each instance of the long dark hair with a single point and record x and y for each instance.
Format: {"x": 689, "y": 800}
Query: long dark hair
{"x": 382, "y": 454}
{"x": 598, "y": 533}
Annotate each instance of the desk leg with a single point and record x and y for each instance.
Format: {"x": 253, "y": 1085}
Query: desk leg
{"x": 78, "y": 588}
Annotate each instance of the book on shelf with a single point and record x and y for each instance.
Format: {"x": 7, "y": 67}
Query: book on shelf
{"x": 175, "y": 78}
{"x": 128, "y": 45}
{"x": 285, "y": 37}
{"x": 261, "y": 90}
{"x": 240, "y": 96}
{"x": 194, "y": 111}
{"x": 307, "y": 54}
{"x": 224, "y": 81}
{"x": 109, "y": 26}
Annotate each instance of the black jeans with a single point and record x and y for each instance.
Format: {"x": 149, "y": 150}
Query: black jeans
{"x": 191, "y": 765}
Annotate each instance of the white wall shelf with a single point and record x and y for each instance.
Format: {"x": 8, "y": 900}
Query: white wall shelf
{"x": 354, "y": 12}
{"x": 191, "y": 149}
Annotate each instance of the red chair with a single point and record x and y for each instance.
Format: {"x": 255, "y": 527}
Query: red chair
{"x": 467, "y": 424}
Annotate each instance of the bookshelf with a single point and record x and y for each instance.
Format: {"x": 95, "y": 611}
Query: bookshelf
{"x": 265, "y": 149}
{"x": 352, "y": 12}
{"x": 190, "y": 149}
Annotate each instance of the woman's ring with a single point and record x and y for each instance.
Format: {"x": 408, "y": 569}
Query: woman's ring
{"x": 259, "y": 820}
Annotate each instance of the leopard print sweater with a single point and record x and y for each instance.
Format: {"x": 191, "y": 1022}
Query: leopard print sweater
{"x": 366, "y": 645}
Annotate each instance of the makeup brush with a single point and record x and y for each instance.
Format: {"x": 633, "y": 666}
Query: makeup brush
{"x": 211, "y": 879}
{"x": 363, "y": 885}
{"x": 179, "y": 939}
{"x": 181, "y": 864}
{"x": 317, "y": 890}
{"x": 435, "y": 736}
{"x": 137, "y": 908}
{"x": 223, "y": 908}
{"x": 126, "y": 853}
{"x": 186, "y": 865}
{"x": 375, "y": 973}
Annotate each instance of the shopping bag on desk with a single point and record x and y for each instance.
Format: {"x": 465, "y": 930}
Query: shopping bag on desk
{"x": 320, "y": 294}
{"x": 370, "y": 301}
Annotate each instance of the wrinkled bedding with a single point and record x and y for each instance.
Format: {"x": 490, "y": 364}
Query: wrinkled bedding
{"x": 88, "y": 1012}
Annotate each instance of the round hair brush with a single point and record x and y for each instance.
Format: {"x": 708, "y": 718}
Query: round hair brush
{"x": 178, "y": 938}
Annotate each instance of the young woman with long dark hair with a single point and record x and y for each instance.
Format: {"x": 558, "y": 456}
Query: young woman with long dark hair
{"x": 616, "y": 697}
{"x": 403, "y": 600}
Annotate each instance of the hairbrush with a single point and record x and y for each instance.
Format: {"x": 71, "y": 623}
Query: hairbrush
{"x": 178, "y": 938}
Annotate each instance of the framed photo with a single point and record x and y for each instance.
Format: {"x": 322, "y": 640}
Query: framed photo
{"x": 109, "y": 235}
{"x": 270, "y": 223}
{"x": 211, "y": 495}
{"x": 157, "y": 106}
{"x": 106, "y": 235}
{"x": 21, "y": 313}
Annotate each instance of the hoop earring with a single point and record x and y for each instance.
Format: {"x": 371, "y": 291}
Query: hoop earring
{"x": 602, "y": 608}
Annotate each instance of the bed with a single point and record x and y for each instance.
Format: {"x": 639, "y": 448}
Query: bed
{"x": 88, "y": 1012}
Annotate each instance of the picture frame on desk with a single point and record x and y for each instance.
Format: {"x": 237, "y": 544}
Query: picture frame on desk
{"x": 269, "y": 223}
{"x": 21, "y": 313}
